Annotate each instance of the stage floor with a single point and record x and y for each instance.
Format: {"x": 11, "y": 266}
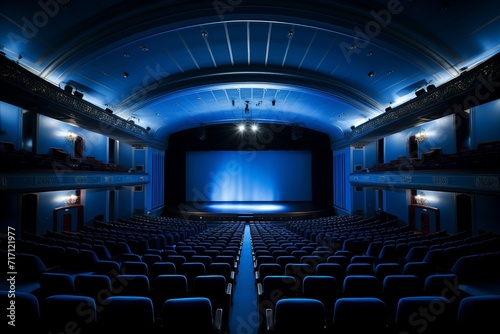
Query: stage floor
{"x": 248, "y": 210}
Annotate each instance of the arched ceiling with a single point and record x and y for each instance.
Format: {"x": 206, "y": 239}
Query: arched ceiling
{"x": 175, "y": 65}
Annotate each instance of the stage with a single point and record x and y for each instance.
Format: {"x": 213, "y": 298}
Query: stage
{"x": 248, "y": 211}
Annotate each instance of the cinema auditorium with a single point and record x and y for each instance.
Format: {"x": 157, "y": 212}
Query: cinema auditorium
{"x": 250, "y": 167}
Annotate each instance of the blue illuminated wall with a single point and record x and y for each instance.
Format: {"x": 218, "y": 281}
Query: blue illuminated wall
{"x": 248, "y": 176}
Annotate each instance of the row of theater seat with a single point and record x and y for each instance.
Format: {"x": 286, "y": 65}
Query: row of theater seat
{"x": 307, "y": 269}
{"x": 202, "y": 265}
{"x": 419, "y": 314}
{"x": 70, "y": 313}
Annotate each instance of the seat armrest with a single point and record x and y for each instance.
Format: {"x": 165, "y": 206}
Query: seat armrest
{"x": 217, "y": 327}
{"x": 269, "y": 321}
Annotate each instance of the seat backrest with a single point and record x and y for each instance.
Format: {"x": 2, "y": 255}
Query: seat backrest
{"x": 150, "y": 258}
{"x": 56, "y": 284}
{"x": 323, "y": 288}
{"x": 266, "y": 269}
{"x": 478, "y": 314}
{"x": 299, "y": 271}
{"x": 134, "y": 268}
{"x": 213, "y": 287}
{"x": 362, "y": 286}
{"x": 444, "y": 284}
{"x": 106, "y": 267}
{"x": 425, "y": 314}
{"x": 389, "y": 268}
{"x": 131, "y": 285}
{"x": 121, "y": 313}
{"x": 395, "y": 287}
{"x": 57, "y": 311}
{"x": 97, "y": 287}
{"x": 299, "y": 315}
{"x": 360, "y": 269}
{"x": 24, "y": 314}
{"x": 32, "y": 266}
{"x": 419, "y": 269}
{"x": 283, "y": 260}
{"x": 191, "y": 270}
{"x": 416, "y": 254}
{"x": 359, "y": 315}
{"x": 178, "y": 315}
{"x": 161, "y": 268}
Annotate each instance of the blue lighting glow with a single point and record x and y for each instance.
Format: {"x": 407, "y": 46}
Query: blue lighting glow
{"x": 242, "y": 176}
{"x": 251, "y": 208}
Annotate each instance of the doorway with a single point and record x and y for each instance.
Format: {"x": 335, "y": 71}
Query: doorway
{"x": 463, "y": 205}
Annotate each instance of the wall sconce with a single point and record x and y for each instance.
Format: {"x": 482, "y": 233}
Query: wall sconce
{"x": 420, "y": 136}
{"x": 71, "y": 136}
{"x": 71, "y": 199}
{"x": 420, "y": 199}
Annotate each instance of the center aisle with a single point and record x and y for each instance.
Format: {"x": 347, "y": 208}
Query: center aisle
{"x": 244, "y": 314}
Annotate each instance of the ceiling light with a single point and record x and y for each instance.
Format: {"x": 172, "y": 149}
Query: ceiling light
{"x": 125, "y": 74}
{"x": 371, "y": 74}
{"x": 273, "y": 103}
{"x": 204, "y": 34}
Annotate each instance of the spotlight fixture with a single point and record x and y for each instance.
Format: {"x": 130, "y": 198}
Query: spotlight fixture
{"x": 352, "y": 127}
{"x": 420, "y": 92}
{"x": 232, "y": 103}
{"x": 148, "y": 128}
{"x": 247, "y": 110}
{"x": 68, "y": 89}
{"x": 296, "y": 132}
{"x": 241, "y": 127}
{"x": 273, "y": 103}
{"x": 78, "y": 94}
{"x": 202, "y": 133}
{"x": 254, "y": 127}
{"x": 371, "y": 74}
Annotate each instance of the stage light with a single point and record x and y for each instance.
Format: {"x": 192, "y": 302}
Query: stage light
{"x": 255, "y": 127}
{"x": 241, "y": 127}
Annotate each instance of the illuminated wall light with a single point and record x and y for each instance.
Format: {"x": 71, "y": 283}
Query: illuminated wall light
{"x": 71, "y": 199}
{"x": 420, "y": 136}
{"x": 420, "y": 199}
{"x": 71, "y": 136}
